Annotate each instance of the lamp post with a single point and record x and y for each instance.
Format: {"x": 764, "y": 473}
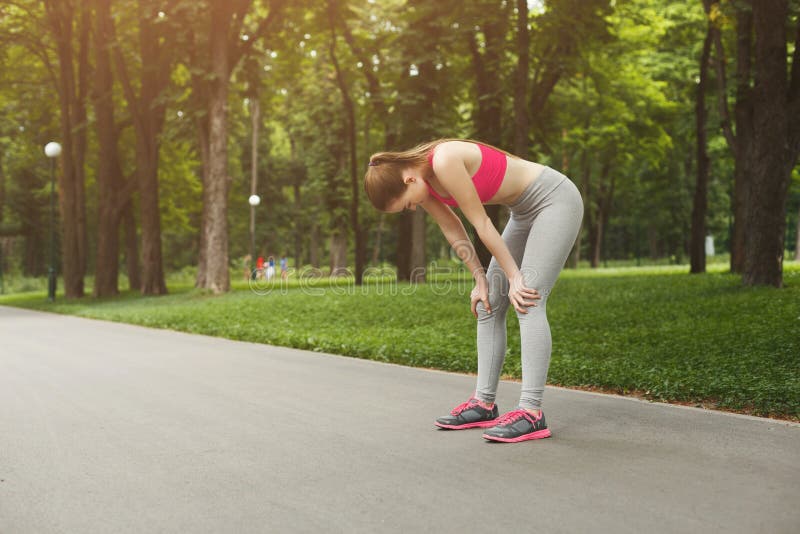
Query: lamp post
{"x": 254, "y": 201}
{"x": 52, "y": 150}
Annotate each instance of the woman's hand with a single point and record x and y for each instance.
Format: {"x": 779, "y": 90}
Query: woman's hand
{"x": 520, "y": 296}
{"x": 480, "y": 294}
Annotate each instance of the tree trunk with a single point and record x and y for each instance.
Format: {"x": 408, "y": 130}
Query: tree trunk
{"x": 147, "y": 153}
{"x": 797, "y": 239}
{"x": 131, "y": 247}
{"x": 152, "y": 282}
{"x": 743, "y": 155}
{"x": 521, "y": 82}
{"x": 109, "y": 172}
{"x": 350, "y": 114}
{"x": 404, "y": 233}
{"x": 772, "y": 157}
{"x": 604, "y": 199}
{"x": 298, "y": 230}
{"x": 255, "y": 117}
{"x": 418, "y": 263}
{"x": 584, "y": 190}
{"x": 376, "y": 250}
{"x": 697, "y": 251}
{"x": 313, "y": 246}
{"x": 338, "y": 263}
{"x": 215, "y": 190}
{"x": 203, "y": 144}
{"x": 418, "y": 273}
{"x": 81, "y": 136}
{"x": 298, "y": 208}
{"x": 488, "y": 126}
{"x": 148, "y": 118}
{"x": 2, "y": 196}
{"x": 380, "y": 109}
{"x": 71, "y": 189}
{"x": 225, "y": 50}
{"x": 597, "y": 241}
{"x": 421, "y": 96}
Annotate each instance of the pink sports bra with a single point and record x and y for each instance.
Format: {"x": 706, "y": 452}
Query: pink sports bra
{"x": 487, "y": 179}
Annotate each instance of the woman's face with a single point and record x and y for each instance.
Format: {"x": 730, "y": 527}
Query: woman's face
{"x": 415, "y": 194}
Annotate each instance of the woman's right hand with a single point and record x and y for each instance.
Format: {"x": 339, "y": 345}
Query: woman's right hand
{"x": 480, "y": 294}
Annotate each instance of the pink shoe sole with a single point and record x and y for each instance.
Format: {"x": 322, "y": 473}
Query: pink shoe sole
{"x": 479, "y": 424}
{"x": 533, "y": 435}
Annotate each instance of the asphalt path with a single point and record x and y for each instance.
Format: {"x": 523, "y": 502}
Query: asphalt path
{"x": 108, "y": 427}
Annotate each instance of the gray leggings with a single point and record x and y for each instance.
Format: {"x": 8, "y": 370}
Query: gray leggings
{"x": 544, "y": 224}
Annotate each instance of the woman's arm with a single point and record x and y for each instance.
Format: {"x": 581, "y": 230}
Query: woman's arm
{"x": 455, "y": 233}
{"x": 448, "y": 164}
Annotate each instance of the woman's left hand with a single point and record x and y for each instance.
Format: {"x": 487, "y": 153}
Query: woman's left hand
{"x": 521, "y": 297}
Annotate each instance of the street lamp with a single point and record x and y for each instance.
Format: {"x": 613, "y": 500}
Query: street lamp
{"x": 52, "y": 150}
{"x": 254, "y": 201}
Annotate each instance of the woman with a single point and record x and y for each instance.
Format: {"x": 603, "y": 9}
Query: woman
{"x": 546, "y": 212}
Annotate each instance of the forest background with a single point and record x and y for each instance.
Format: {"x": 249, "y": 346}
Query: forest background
{"x": 678, "y": 120}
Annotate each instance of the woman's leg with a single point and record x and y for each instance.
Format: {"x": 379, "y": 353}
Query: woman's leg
{"x": 552, "y": 234}
{"x": 492, "y": 326}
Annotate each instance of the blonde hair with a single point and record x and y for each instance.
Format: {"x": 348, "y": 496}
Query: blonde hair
{"x": 383, "y": 181}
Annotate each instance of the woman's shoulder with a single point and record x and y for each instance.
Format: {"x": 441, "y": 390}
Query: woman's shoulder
{"x": 455, "y": 149}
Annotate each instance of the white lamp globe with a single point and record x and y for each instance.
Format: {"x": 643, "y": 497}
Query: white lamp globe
{"x": 52, "y": 149}
{"x": 254, "y": 200}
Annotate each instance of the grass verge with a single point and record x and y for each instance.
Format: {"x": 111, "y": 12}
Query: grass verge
{"x": 656, "y": 333}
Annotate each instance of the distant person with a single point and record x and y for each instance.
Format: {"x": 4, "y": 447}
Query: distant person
{"x": 259, "y": 272}
{"x": 284, "y": 267}
{"x": 546, "y": 212}
{"x": 270, "y": 268}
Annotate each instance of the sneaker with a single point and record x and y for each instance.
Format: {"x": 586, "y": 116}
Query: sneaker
{"x": 471, "y": 414}
{"x": 518, "y": 425}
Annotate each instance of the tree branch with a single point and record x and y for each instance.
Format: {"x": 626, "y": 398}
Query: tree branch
{"x": 541, "y": 91}
{"x": 237, "y": 21}
{"x": 794, "y": 100}
{"x": 722, "y": 86}
{"x": 794, "y": 81}
{"x": 121, "y": 125}
{"x": 40, "y": 50}
{"x": 124, "y": 76}
{"x": 129, "y": 185}
{"x": 244, "y": 47}
{"x": 372, "y": 81}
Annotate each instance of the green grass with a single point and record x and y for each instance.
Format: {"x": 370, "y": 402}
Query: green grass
{"x": 655, "y": 332}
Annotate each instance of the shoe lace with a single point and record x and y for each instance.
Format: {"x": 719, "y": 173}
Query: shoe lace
{"x": 512, "y": 416}
{"x": 463, "y": 406}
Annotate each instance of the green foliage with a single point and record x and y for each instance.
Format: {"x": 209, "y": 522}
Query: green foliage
{"x": 623, "y": 73}
{"x": 180, "y": 202}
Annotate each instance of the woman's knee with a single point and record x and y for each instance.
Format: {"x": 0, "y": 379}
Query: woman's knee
{"x": 497, "y": 302}
{"x": 498, "y": 295}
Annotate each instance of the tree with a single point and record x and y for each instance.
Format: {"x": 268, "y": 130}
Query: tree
{"x": 700, "y": 205}
{"x": 113, "y": 190}
{"x": 765, "y": 142}
{"x": 68, "y": 21}
{"x": 487, "y": 49}
{"x": 776, "y": 142}
{"x": 147, "y": 109}
{"x": 522, "y": 81}
{"x": 335, "y": 20}
{"x": 422, "y": 114}
{"x": 226, "y": 48}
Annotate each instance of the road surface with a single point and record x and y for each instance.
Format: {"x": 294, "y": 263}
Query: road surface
{"x": 108, "y": 427}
